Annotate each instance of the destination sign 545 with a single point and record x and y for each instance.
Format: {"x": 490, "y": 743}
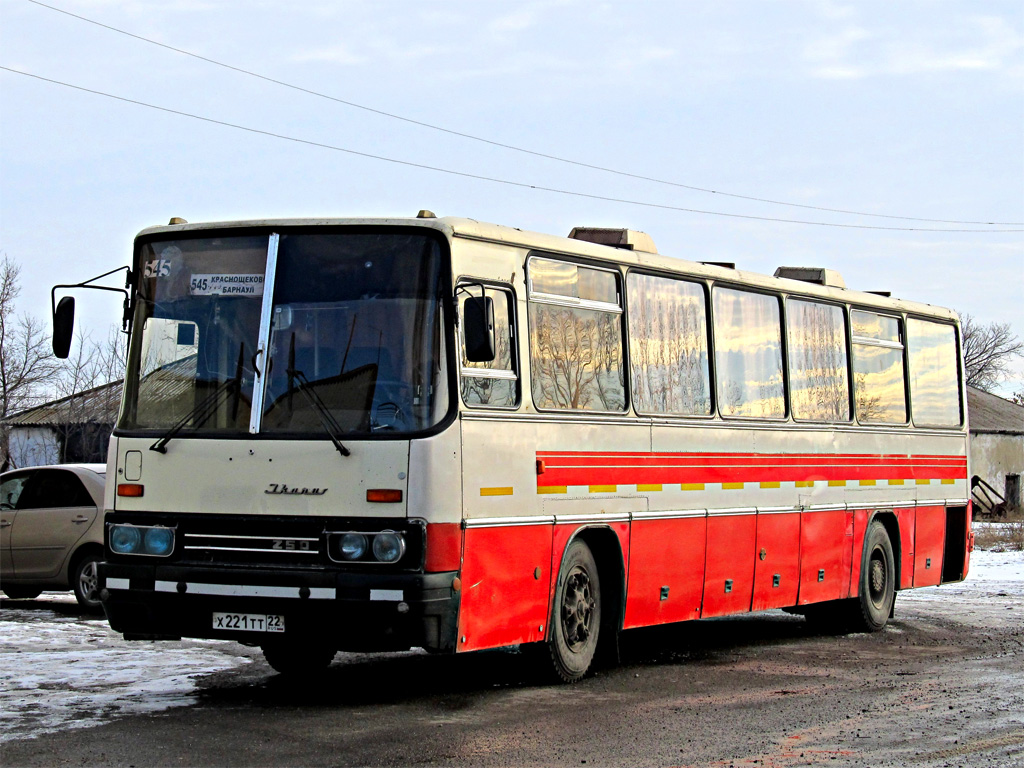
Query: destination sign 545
{"x": 227, "y": 285}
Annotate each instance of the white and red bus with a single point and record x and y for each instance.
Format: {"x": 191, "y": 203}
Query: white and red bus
{"x": 379, "y": 434}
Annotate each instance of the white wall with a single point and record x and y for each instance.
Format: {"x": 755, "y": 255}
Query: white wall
{"x": 32, "y": 446}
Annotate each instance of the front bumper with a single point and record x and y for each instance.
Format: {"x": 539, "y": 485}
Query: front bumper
{"x": 354, "y": 611}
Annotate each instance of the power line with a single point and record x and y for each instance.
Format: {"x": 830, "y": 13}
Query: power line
{"x": 478, "y": 177}
{"x": 512, "y": 147}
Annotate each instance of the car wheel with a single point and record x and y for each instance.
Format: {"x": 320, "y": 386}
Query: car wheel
{"x": 85, "y": 583}
{"x": 16, "y": 592}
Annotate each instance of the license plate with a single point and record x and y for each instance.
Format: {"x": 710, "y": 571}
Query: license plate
{"x": 249, "y": 622}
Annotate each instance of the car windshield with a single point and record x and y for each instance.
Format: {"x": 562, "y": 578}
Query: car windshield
{"x": 354, "y": 330}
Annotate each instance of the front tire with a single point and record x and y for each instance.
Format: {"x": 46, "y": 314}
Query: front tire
{"x": 576, "y": 616}
{"x": 85, "y": 583}
{"x": 297, "y": 658}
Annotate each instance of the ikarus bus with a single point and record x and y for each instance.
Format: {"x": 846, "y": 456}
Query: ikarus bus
{"x": 376, "y": 434}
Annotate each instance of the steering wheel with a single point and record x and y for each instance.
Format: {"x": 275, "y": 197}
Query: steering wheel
{"x": 390, "y": 411}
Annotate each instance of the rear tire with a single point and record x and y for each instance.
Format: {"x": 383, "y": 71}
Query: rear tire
{"x": 298, "y": 658}
{"x": 85, "y": 583}
{"x": 576, "y": 615}
{"x": 877, "y": 582}
{"x": 869, "y": 611}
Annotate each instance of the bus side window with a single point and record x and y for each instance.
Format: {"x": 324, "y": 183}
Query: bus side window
{"x": 934, "y": 384}
{"x": 576, "y": 344}
{"x": 818, "y": 380}
{"x": 668, "y": 345}
{"x": 878, "y": 375}
{"x": 494, "y": 383}
{"x": 748, "y": 354}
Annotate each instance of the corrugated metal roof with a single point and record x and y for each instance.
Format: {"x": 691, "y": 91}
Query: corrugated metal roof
{"x": 992, "y": 414}
{"x": 98, "y": 405}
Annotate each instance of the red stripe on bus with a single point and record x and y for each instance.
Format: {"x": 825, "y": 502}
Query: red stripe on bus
{"x": 580, "y": 468}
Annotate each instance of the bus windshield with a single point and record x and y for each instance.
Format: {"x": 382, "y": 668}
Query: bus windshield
{"x": 354, "y": 335}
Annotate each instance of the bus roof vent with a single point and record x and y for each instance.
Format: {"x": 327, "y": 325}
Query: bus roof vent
{"x": 630, "y": 239}
{"x": 816, "y": 275}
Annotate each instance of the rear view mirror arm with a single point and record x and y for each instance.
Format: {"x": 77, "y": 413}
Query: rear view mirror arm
{"x": 125, "y": 319}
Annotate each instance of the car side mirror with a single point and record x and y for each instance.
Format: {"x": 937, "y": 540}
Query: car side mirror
{"x": 63, "y": 326}
{"x": 478, "y": 328}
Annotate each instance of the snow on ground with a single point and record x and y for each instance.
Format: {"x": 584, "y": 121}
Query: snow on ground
{"x": 59, "y": 670}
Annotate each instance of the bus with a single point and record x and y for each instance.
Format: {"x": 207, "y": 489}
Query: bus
{"x": 379, "y": 434}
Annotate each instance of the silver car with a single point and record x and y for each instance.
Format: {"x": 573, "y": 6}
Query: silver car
{"x": 51, "y": 530}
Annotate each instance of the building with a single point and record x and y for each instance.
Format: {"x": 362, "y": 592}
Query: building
{"x": 73, "y": 429}
{"x": 997, "y": 444}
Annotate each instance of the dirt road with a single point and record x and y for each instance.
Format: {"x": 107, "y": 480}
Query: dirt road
{"x": 943, "y": 685}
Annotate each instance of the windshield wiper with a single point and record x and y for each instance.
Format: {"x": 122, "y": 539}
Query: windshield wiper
{"x": 327, "y": 420}
{"x": 208, "y": 406}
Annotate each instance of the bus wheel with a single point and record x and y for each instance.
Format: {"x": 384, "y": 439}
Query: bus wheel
{"x": 576, "y": 616}
{"x": 298, "y": 658}
{"x": 877, "y": 581}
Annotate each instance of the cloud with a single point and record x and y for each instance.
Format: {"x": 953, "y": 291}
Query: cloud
{"x": 979, "y": 43}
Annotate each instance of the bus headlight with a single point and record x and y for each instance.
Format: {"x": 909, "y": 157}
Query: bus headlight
{"x": 388, "y": 547}
{"x": 125, "y": 539}
{"x": 153, "y": 540}
{"x": 352, "y": 546}
{"x": 158, "y": 541}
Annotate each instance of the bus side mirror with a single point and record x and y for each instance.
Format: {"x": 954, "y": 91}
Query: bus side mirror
{"x": 478, "y": 328}
{"x": 63, "y": 326}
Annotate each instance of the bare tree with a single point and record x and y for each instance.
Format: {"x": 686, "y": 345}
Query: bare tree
{"x": 989, "y": 349}
{"x": 28, "y": 368}
{"x": 87, "y": 412}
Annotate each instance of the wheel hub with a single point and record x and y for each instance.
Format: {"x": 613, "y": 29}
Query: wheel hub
{"x": 577, "y": 608}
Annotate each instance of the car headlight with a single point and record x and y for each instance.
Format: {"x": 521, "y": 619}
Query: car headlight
{"x": 352, "y": 546}
{"x": 388, "y": 547}
{"x": 153, "y": 540}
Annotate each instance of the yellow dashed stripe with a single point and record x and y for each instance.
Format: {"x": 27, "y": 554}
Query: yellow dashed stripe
{"x": 504, "y": 491}
{"x": 766, "y": 484}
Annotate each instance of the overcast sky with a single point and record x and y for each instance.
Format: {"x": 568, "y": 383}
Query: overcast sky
{"x": 900, "y": 109}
